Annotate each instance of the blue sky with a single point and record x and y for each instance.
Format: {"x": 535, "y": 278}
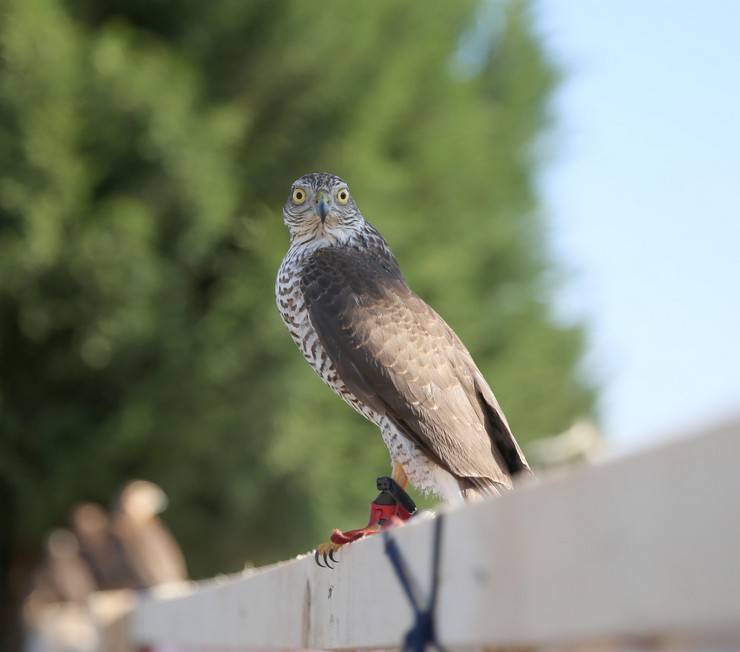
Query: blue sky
{"x": 643, "y": 198}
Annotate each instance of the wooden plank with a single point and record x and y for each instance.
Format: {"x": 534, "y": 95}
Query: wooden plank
{"x": 642, "y": 546}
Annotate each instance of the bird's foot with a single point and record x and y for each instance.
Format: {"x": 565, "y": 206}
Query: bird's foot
{"x": 392, "y": 506}
{"x": 326, "y": 552}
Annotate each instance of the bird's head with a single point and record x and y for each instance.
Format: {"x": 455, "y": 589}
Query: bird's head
{"x": 320, "y": 206}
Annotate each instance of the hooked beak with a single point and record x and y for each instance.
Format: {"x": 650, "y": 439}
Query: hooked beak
{"x": 322, "y": 206}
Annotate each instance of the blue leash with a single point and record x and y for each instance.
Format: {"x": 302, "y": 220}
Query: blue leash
{"x": 422, "y": 632}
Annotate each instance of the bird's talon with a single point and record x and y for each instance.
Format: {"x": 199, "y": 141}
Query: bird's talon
{"x": 326, "y": 552}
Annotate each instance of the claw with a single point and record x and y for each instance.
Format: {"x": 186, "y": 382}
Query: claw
{"x": 324, "y": 554}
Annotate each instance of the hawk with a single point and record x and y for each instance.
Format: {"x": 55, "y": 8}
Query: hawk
{"x": 386, "y": 352}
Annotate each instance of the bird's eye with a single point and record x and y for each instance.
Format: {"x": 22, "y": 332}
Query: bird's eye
{"x": 343, "y": 196}
{"x": 299, "y": 196}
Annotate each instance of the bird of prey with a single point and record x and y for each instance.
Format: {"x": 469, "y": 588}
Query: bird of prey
{"x": 386, "y": 352}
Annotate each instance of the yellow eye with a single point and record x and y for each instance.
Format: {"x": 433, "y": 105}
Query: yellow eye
{"x": 343, "y": 196}
{"x": 299, "y": 196}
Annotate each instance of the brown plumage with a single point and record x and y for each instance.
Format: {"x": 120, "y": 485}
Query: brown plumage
{"x": 387, "y": 353}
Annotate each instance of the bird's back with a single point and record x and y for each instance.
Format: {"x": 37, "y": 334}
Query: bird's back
{"x": 400, "y": 358}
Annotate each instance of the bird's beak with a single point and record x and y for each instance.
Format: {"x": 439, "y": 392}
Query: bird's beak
{"x": 322, "y": 206}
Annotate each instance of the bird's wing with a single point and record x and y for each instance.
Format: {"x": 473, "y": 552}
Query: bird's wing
{"x": 396, "y": 354}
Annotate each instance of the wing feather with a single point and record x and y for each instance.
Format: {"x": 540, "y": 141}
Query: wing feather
{"x": 399, "y": 356}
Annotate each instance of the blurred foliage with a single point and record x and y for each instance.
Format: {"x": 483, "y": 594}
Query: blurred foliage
{"x": 145, "y": 150}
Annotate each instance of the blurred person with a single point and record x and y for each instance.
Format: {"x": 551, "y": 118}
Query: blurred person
{"x": 63, "y": 577}
{"x": 147, "y": 544}
{"x": 62, "y": 627}
{"x": 101, "y": 549}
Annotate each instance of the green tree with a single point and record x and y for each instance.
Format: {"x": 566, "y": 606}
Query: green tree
{"x": 145, "y": 151}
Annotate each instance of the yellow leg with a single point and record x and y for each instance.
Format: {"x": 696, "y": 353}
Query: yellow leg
{"x": 326, "y": 550}
{"x": 399, "y": 475}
